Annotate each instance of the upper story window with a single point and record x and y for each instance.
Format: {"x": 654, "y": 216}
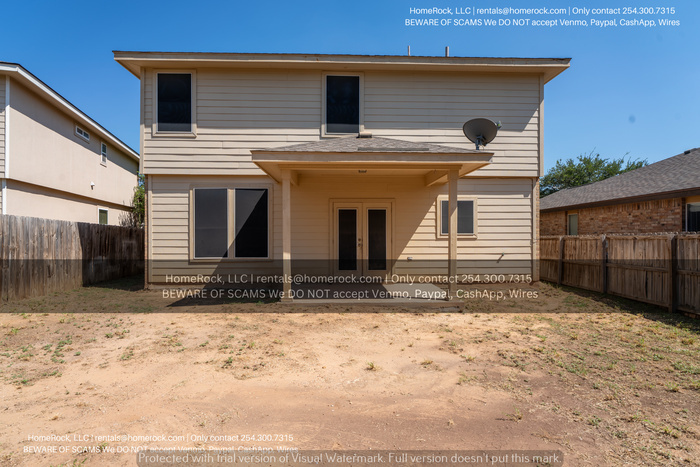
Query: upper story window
{"x": 343, "y": 109}
{"x": 82, "y": 133}
{"x": 692, "y": 217}
{"x": 103, "y": 153}
{"x": 174, "y": 103}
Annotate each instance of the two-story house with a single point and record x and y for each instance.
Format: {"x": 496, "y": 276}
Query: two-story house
{"x": 55, "y": 161}
{"x": 339, "y": 164}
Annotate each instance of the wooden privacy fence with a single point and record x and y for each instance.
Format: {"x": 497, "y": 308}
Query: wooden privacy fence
{"x": 660, "y": 269}
{"x": 41, "y": 256}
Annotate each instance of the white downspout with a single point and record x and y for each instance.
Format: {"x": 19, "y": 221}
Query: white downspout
{"x": 7, "y": 145}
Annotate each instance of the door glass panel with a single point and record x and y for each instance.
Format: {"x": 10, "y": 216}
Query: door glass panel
{"x": 376, "y": 232}
{"x": 347, "y": 239}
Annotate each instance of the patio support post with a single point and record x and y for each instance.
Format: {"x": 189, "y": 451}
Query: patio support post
{"x": 452, "y": 178}
{"x": 286, "y": 236}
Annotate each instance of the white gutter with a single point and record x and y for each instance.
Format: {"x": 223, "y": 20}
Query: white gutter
{"x": 64, "y": 105}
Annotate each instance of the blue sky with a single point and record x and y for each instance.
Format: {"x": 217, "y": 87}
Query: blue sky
{"x": 629, "y": 90}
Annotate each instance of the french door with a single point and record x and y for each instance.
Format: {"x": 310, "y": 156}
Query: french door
{"x": 362, "y": 237}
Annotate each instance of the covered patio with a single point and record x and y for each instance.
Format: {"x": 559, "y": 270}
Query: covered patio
{"x": 372, "y": 156}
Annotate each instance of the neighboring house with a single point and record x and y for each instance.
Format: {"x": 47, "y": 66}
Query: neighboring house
{"x": 343, "y": 164}
{"x": 660, "y": 197}
{"x": 55, "y": 161}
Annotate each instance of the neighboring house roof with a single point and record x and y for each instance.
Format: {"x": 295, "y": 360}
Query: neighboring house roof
{"x": 135, "y": 61}
{"x": 353, "y": 144}
{"x": 19, "y": 73}
{"x": 672, "y": 177}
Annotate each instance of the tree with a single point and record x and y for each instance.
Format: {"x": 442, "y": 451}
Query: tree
{"x": 136, "y": 217}
{"x": 585, "y": 170}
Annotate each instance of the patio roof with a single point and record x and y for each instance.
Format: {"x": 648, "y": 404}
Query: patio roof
{"x": 370, "y": 156}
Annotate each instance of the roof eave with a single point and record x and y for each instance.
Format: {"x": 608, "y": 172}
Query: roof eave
{"x": 134, "y": 61}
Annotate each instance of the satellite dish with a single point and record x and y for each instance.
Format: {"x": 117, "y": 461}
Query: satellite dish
{"x": 481, "y": 131}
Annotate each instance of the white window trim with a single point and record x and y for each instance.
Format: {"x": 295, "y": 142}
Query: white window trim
{"x": 193, "y": 92}
{"x": 103, "y": 154}
{"x": 231, "y": 220}
{"x": 83, "y": 137}
{"x": 568, "y": 223}
{"x": 324, "y": 75}
{"x": 438, "y": 216}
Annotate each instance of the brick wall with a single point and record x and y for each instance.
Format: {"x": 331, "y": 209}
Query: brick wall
{"x": 643, "y": 217}
{"x": 553, "y": 223}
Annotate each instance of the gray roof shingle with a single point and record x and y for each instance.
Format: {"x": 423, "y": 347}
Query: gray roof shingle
{"x": 352, "y": 144}
{"x": 677, "y": 173}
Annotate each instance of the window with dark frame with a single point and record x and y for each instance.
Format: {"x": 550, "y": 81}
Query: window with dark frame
{"x": 692, "y": 217}
{"x": 342, "y": 104}
{"x": 210, "y": 223}
{"x": 174, "y": 102}
{"x": 102, "y": 217}
{"x": 465, "y": 217}
{"x": 250, "y": 212}
{"x": 251, "y": 223}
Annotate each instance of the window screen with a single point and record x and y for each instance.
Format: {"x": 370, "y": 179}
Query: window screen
{"x": 693, "y": 217}
{"x": 342, "y": 104}
{"x": 210, "y": 223}
{"x": 465, "y": 217}
{"x": 175, "y": 102}
{"x": 251, "y": 223}
{"x": 102, "y": 217}
{"x": 573, "y": 224}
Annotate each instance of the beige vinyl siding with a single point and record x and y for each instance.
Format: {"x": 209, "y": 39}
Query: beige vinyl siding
{"x": 429, "y": 107}
{"x": 169, "y": 226}
{"x": 37, "y": 201}
{"x": 240, "y": 110}
{"x": 2, "y": 129}
{"x": 504, "y": 220}
{"x": 236, "y": 112}
{"x": 47, "y": 152}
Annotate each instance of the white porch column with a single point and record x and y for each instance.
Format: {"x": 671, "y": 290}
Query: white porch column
{"x": 452, "y": 180}
{"x": 286, "y": 236}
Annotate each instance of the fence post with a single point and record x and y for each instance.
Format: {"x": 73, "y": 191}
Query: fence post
{"x": 672, "y": 274}
{"x": 560, "y": 271}
{"x": 604, "y": 264}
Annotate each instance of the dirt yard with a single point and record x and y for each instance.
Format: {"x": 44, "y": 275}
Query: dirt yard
{"x": 605, "y": 381}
